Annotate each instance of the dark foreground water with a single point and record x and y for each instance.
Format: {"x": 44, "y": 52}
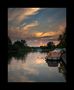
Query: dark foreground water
{"x": 32, "y": 67}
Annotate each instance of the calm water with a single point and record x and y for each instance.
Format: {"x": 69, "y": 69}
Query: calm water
{"x": 32, "y": 67}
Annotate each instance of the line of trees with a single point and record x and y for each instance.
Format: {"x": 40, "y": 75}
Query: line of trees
{"x": 49, "y": 46}
{"x": 17, "y": 46}
{"x": 22, "y": 46}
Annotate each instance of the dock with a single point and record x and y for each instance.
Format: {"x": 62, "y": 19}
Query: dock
{"x": 57, "y": 54}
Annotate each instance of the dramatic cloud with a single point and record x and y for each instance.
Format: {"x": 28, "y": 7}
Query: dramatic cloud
{"x": 24, "y": 31}
{"x": 21, "y": 33}
{"x": 29, "y": 26}
{"x": 36, "y": 23}
{"x": 27, "y": 12}
{"x": 60, "y": 30}
{"x": 17, "y": 15}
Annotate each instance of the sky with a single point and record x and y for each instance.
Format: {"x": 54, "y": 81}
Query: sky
{"x": 36, "y": 25}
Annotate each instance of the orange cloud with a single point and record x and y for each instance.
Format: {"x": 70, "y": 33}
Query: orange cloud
{"x": 61, "y": 29}
{"x": 27, "y": 12}
{"x": 48, "y": 34}
{"x": 18, "y": 14}
{"x": 38, "y": 34}
{"x": 42, "y": 34}
{"x": 31, "y": 25}
{"x": 16, "y": 32}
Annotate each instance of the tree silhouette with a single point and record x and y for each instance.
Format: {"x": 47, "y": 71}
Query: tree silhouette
{"x": 9, "y": 44}
{"x": 50, "y": 45}
{"x": 62, "y": 39}
{"x": 24, "y": 42}
{"x": 18, "y": 45}
{"x": 9, "y": 41}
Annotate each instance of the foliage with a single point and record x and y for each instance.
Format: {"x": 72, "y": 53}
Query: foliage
{"x": 62, "y": 39}
{"x": 50, "y": 45}
{"x": 18, "y": 46}
{"x": 9, "y": 44}
{"x": 9, "y": 41}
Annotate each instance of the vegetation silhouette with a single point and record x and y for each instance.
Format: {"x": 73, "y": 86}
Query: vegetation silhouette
{"x": 18, "y": 56}
{"x": 62, "y": 39}
{"x": 19, "y": 48}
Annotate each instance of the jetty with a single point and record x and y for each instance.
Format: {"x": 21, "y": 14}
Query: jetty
{"x": 57, "y": 54}
{"x": 54, "y": 55}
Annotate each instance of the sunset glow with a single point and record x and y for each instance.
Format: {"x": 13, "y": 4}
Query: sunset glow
{"x": 36, "y": 25}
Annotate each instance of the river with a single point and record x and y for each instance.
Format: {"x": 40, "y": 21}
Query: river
{"x": 32, "y": 67}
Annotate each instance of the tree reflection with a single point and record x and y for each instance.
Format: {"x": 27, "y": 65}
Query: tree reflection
{"x": 52, "y": 63}
{"x": 57, "y": 63}
{"x": 62, "y": 68}
{"x": 17, "y": 56}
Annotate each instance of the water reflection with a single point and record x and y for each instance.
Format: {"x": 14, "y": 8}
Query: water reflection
{"x": 57, "y": 63}
{"x": 62, "y": 69}
{"x": 35, "y": 69}
{"x": 52, "y": 63}
{"x": 18, "y": 56}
